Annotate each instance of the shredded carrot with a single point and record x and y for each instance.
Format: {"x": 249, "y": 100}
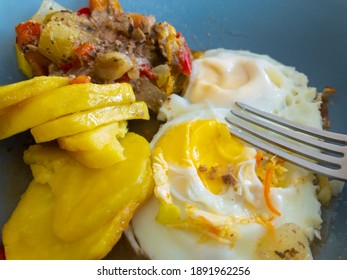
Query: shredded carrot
{"x": 80, "y": 80}
{"x": 265, "y": 221}
{"x": 267, "y": 187}
{"x": 259, "y": 158}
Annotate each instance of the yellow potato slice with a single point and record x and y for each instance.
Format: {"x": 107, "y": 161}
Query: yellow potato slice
{"x": 29, "y": 233}
{"x": 60, "y": 37}
{"x": 108, "y": 155}
{"x": 122, "y": 129}
{"x": 62, "y": 101}
{"x": 112, "y": 66}
{"x": 86, "y": 198}
{"x": 94, "y": 139}
{"x": 14, "y": 93}
{"x": 64, "y": 216}
{"x": 23, "y": 64}
{"x": 96, "y": 148}
{"x": 86, "y": 120}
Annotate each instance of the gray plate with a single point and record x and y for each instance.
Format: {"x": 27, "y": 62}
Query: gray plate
{"x": 310, "y": 35}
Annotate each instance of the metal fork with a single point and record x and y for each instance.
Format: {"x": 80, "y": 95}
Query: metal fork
{"x": 324, "y": 152}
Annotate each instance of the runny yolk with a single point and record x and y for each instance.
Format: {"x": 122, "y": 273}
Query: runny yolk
{"x": 206, "y": 145}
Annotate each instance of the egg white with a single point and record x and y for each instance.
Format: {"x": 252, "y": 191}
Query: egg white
{"x": 219, "y": 79}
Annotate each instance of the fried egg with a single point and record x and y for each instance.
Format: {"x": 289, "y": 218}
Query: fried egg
{"x": 215, "y": 196}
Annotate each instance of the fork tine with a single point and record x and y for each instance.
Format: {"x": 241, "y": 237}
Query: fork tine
{"x": 313, "y": 142}
{"x": 326, "y": 135}
{"x": 294, "y": 148}
{"x": 332, "y": 173}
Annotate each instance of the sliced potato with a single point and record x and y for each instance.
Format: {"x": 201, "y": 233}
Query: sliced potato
{"x": 122, "y": 129}
{"x": 108, "y": 155}
{"x": 112, "y": 66}
{"x": 60, "y": 37}
{"x": 29, "y": 233}
{"x": 14, "y": 93}
{"x": 91, "y": 140}
{"x": 96, "y": 148}
{"x": 47, "y": 7}
{"x": 62, "y": 101}
{"x": 86, "y": 120}
{"x": 23, "y": 64}
{"x": 81, "y": 206}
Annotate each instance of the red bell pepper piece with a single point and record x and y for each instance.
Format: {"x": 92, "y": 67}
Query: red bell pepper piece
{"x": 184, "y": 56}
{"x": 146, "y": 70}
{"x": 84, "y": 11}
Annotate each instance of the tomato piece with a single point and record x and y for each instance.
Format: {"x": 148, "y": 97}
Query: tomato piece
{"x": 69, "y": 65}
{"x": 28, "y": 33}
{"x": 85, "y": 49}
{"x": 83, "y": 52}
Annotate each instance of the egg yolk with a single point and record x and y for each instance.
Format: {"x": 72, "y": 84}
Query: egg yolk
{"x": 207, "y": 146}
